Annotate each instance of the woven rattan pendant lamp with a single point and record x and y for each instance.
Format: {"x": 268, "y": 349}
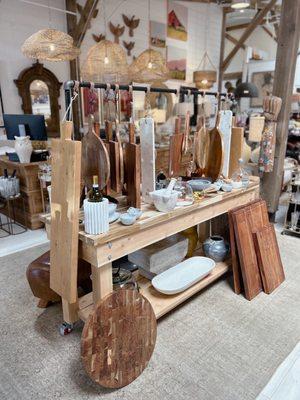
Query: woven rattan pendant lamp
{"x": 106, "y": 61}
{"x": 150, "y": 66}
{"x": 50, "y": 45}
{"x": 206, "y": 74}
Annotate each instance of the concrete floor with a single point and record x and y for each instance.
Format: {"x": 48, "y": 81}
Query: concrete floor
{"x": 216, "y": 346}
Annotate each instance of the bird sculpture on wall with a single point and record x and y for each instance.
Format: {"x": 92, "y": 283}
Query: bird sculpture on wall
{"x": 117, "y": 31}
{"x": 128, "y": 46}
{"x": 98, "y": 38}
{"x": 80, "y": 10}
{"x": 131, "y": 23}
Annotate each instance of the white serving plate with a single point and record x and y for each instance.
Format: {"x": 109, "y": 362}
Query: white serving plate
{"x": 183, "y": 275}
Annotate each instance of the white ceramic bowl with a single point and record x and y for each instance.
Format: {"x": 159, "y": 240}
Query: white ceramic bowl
{"x": 127, "y": 219}
{"x": 199, "y": 184}
{"x": 236, "y": 184}
{"x": 164, "y": 202}
{"x": 112, "y": 208}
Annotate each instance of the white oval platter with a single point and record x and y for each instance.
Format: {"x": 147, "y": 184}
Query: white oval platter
{"x": 183, "y": 275}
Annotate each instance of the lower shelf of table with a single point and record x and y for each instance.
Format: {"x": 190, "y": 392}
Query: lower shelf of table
{"x": 161, "y": 303}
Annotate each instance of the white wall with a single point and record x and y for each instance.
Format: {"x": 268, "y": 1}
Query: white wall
{"x": 17, "y": 22}
{"x": 197, "y": 17}
{"x": 258, "y": 40}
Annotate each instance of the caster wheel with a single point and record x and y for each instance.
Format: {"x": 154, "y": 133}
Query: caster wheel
{"x": 65, "y": 328}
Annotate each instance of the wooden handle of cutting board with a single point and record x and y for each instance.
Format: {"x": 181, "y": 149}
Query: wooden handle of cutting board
{"x": 177, "y": 125}
{"x": 131, "y": 133}
{"x": 109, "y": 130}
{"x": 66, "y": 129}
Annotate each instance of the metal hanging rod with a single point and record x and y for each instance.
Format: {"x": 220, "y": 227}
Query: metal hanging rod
{"x": 69, "y": 85}
{"x": 33, "y": 3}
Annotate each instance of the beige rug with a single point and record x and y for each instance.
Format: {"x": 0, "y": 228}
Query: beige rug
{"x": 216, "y": 346}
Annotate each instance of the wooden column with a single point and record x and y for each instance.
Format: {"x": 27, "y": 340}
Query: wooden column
{"x": 71, "y": 26}
{"x": 286, "y": 59}
{"x": 222, "y": 50}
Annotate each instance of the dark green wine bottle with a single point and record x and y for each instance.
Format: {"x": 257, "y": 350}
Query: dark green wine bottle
{"x": 94, "y": 195}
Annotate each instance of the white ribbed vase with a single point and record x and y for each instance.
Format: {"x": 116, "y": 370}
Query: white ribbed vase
{"x": 96, "y": 217}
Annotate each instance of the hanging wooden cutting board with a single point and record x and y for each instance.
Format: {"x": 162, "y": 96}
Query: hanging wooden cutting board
{"x": 65, "y": 198}
{"x": 247, "y": 254}
{"x": 118, "y": 339}
{"x": 225, "y": 127}
{"x": 133, "y": 170}
{"x": 201, "y": 143}
{"x": 175, "y": 154}
{"x": 114, "y": 158}
{"x": 236, "y": 149}
{"x": 215, "y": 154}
{"x": 147, "y": 138}
{"x": 95, "y": 158}
{"x": 269, "y": 259}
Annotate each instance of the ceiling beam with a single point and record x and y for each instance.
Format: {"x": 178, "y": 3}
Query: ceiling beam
{"x": 248, "y": 31}
{"x": 233, "y": 40}
{"x": 268, "y": 32}
{"x": 87, "y": 13}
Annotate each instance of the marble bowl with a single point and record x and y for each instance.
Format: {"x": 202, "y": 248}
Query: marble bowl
{"x": 164, "y": 201}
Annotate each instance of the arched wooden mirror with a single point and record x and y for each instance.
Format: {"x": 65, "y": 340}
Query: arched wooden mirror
{"x": 40, "y": 89}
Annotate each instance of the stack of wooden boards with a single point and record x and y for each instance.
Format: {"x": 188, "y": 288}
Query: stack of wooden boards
{"x": 256, "y": 261}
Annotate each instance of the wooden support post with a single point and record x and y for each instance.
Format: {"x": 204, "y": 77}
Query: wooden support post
{"x": 78, "y": 31}
{"x": 71, "y": 26}
{"x": 222, "y": 50}
{"x": 102, "y": 281}
{"x": 286, "y": 58}
{"x": 248, "y": 31}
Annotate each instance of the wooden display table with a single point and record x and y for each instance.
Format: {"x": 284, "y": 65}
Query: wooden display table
{"x": 30, "y": 189}
{"x": 101, "y": 250}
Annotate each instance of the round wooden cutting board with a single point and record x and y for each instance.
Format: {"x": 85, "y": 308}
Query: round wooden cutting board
{"x": 118, "y": 339}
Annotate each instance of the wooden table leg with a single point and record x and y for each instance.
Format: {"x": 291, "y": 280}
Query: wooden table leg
{"x": 70, "y": 311}
{"x": 102, "y": 281}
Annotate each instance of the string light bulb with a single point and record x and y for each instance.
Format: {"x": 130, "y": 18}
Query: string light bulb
{"x": 106, "y": 60}
{"x": 150, "y": 65}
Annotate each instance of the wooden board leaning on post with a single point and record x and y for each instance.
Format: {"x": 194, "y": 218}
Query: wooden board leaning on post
{"x": 65, "y": 195}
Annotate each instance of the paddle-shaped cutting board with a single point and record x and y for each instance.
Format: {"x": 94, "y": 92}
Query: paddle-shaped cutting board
{"x": 147, "y": 139}
{"x": 65, "y": 197}
{"x": 269, "y": 259}
{"x": 175, "y": 154}
{"x": 225, "y": 127}
{"x": 215, "y": 154}
{"x": 114, "y": 158}
{"x": 133, "y": 170}
{"x": 95, "y": 158}
{"x": 236, "y": 149}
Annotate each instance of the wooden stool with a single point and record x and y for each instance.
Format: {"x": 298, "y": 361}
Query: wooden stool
{"x": 38, "y": 276}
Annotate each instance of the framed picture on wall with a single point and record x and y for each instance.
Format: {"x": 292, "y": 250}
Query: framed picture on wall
{"x": 176, "y": 62}
{"x": 264, "y": 82}
{"x": 177, "y": 21}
